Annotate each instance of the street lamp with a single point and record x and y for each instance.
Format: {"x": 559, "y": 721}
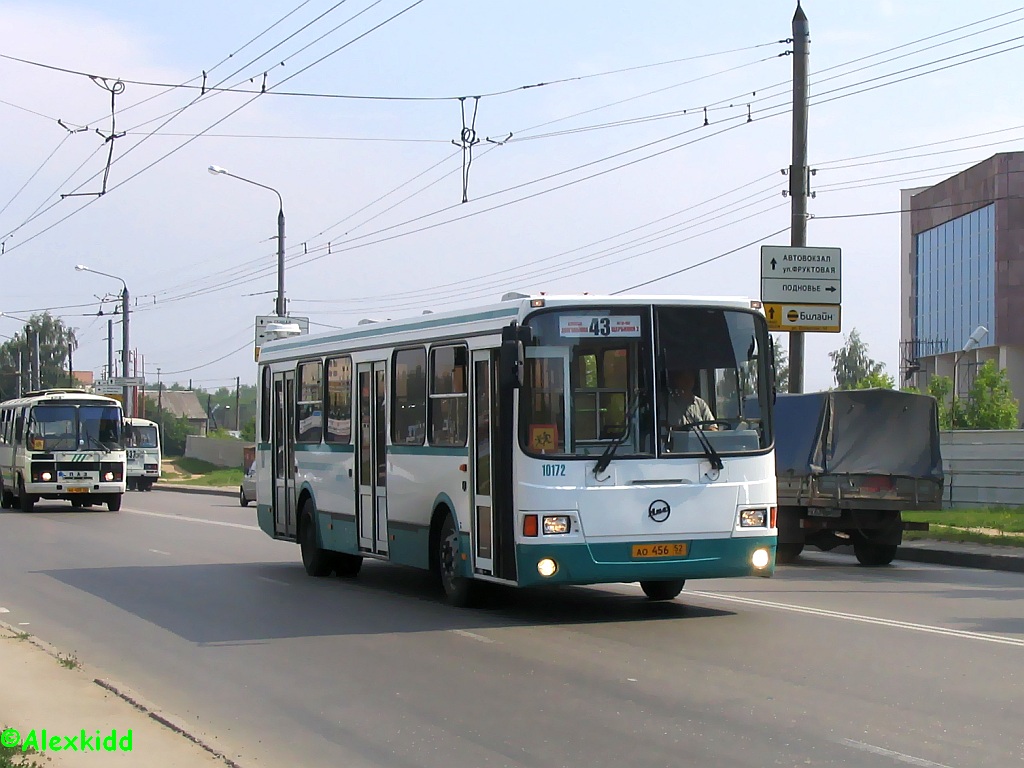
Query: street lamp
{"x": 129, "y": 411}
{"x": 216, "y": 170}
{"x": 972, "y": 342}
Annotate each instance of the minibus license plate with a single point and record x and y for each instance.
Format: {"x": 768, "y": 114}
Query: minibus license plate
{"x": 662, "y": 549}
{"x": 78, "y": 490}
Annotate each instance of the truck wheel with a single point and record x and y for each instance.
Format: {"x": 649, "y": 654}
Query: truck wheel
{"x": 873, "y": 554}
{"x": 317, "y": 562}
{"x": 787, "y": 553}
{"x": 662, "y": 590}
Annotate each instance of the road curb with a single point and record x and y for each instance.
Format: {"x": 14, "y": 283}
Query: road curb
{"x": 985, "y": 561}
{"x": 205, "y": 489}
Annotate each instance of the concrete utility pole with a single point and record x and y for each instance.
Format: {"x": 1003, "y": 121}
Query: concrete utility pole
{"x": 126, "y": 391}
{"x": 71, "y": 366}
{"x": 21, "y": 372}
{"x": 238, "y": 384}
{"x": 798, "y": 173}
{"x": 110, "y": 348}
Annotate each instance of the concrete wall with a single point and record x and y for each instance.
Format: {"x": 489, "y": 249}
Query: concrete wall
{"x": 221, "y": 452}
{"x": 983, "y": 467}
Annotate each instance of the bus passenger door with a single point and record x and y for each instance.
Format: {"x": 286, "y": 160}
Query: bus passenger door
{"x": 371, "y": 464}
{"x": 481, "y": 477}
{"x": 283, "y": 445}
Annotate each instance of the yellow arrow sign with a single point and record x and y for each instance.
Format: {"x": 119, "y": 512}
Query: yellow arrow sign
{"x": 820, "y": 318}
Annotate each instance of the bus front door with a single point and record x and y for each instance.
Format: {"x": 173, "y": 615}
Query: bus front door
{"x": 371, "y": 464}
{"x": 284, "y": 454}
{"x": 482, "y": 469}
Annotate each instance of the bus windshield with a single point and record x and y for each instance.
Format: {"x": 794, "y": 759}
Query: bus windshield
{"x": 71, "y": 428}
{"x": 674, "y": 377}
{"x": 143, "y": 437}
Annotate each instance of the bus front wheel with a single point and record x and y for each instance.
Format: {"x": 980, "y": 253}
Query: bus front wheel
{"x": 458, "y": 590}
{"x": 114, "y": 502}
{"x": 6, "y": 499}
{"x": 26, "y": 501}
{"x": 662, "y": 590}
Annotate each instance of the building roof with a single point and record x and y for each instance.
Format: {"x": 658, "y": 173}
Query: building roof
{"x": 179, "y": 402}
{"x": 85, "y": 378}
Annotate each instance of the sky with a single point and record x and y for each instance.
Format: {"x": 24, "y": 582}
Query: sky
{"x": 619, "y": 145}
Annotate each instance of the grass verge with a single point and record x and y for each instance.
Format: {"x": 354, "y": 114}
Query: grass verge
{"x": 940, "y": 533}
{"x": 1005, "y": 519}
{"x": 199, "y": 472}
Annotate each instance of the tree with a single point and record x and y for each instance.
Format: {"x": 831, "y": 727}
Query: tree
{"x": 851, "y": 364}
{"x": 55, "y": 338}
{"x": 876, "y": 380}
{"x": 939, "y": 387}
{"x": 781, "y": 362}
{"x": 990, "y": 403}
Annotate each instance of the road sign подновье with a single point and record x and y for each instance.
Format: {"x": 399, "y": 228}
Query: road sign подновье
{"x": 823, "y": 318}
{"x": 791, "y": 274}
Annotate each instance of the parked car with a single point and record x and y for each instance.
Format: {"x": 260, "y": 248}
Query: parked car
{"x": 247, "y": 490}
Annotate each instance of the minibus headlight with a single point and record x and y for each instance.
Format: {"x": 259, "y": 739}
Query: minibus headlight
{"x": 753, "y": 518}
{"x": 556, "y": 524}
{"x": 46, "y": 477}
{"x": 108, "y": 477}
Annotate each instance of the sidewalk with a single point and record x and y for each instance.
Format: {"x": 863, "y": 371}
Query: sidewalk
{"x": 214, "y": 490}
{"x": 40, "y": 691}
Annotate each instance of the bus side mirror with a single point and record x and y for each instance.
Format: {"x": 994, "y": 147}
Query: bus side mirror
{"x": 511, "y": 364}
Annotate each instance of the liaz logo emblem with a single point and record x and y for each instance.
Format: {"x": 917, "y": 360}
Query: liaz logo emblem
{"x": 659, "y": 511}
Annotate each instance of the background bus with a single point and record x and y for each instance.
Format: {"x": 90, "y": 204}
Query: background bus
{"x": 525, "y": 443}
{"x": 61, "y": 444}
{"x": 142, "y": 440}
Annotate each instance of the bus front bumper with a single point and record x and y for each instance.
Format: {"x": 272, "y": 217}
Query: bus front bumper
{"x": 614, "y": 562}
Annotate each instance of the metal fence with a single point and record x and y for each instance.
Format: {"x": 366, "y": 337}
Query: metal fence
{"x": 983, "y": 467}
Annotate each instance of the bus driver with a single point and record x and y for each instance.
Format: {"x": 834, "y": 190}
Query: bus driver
{"x": 684, "y": 407}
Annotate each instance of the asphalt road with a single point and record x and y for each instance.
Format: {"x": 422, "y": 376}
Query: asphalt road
{"x": 828, "y": 664}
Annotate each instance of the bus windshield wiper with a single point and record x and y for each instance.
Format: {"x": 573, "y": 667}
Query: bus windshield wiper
{"x": 89, "y": 437}
{"x": 709, "y": 449}
{"x": 606, "y": 457}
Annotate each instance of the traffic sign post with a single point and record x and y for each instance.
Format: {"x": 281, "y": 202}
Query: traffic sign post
{"x": 802, "y": 288}
{"x": 823, "y": 318}
{"x": 265, "y": 330}
{"x": 804, "y": 275}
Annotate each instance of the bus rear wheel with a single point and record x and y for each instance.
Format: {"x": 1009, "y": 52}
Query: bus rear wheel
{"x": 317, "y": 562}
{"x": 662, "y": 590}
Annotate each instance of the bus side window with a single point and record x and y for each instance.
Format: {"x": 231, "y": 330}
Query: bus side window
{"x": 19, "y": 426}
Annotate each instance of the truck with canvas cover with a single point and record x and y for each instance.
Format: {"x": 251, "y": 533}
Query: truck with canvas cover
{"x": 849, "y": 462}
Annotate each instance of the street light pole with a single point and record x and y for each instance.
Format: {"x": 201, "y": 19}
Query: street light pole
{"x": 973, "y": 341}
{"x": 125, "y": 335}
{"x": 281, "y": 307}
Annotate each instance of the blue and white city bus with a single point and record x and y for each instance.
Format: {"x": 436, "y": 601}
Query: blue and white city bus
{"x": 525, "y": 443}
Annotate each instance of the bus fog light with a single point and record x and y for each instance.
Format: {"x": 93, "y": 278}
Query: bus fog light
{"x": 108, "y": 477}
{"x": 760, "y": 558}
{"x": 547, "y": 567}
{"x": 753, "y": 518}
{"x": 46, "y": 477}
{"x": 556, "y": 524}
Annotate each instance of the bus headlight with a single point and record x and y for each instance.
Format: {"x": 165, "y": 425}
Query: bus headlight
{"x": 760, "y": 558}
{"x": 556, "y": 524}
{"x": 108, "y": 477}
{"x": 46, "y": 477}
{"x": 753, "y": 518}
{"x": 547, "y": 567}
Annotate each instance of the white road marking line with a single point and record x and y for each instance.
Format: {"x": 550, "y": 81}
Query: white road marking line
{"x": 960, "y": 633}
{"x": 903, "y": 758}
{"x": 159, "y": 552}
{"x": 472, "y": 636}
{"x": 273, "y": 581}
{"x": 3, "y": 610}
{"x": 193, "y": 519}
{"x": 22, "y": 623}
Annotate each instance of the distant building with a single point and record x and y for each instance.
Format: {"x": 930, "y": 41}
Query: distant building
{"x": 84, "y": 379}
{"x": 180, "y": 403}
{"x": 962, "y": 266}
